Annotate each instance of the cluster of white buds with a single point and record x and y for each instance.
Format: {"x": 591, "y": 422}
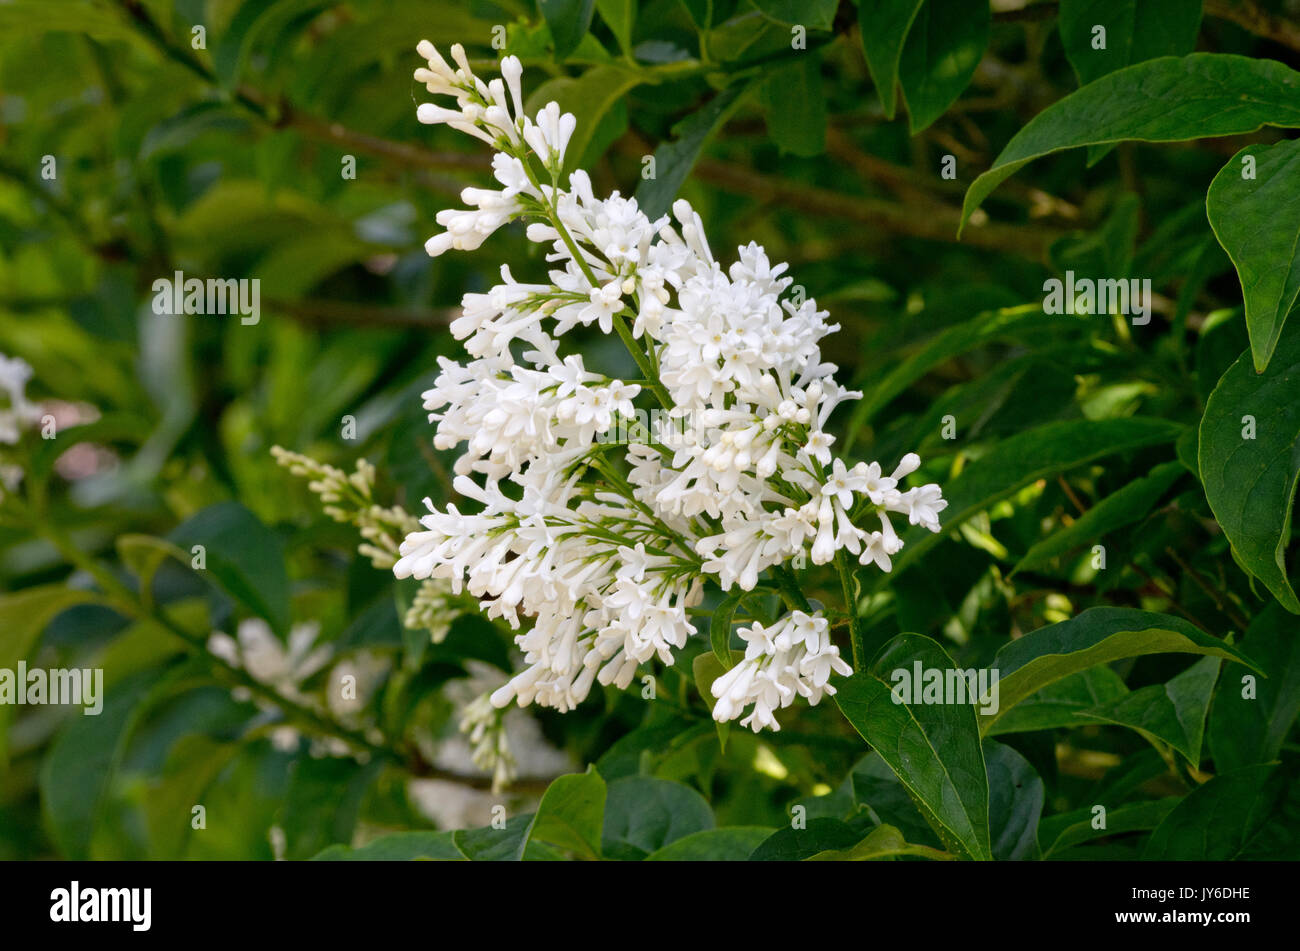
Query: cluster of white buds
{"x": 605, "y": 543}
{"x": 349, "y": 499}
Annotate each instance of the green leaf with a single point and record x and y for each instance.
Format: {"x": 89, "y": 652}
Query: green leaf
{"x": 324, "y": 802}
{"x": 933, "y": 748}
{"x": 720, "y": 635}
{"x": 644, "y": 814}
{"x": 1170, "y": 99}
{"x": 795, "y": 845}
{"x": 1028, "y": 456}
{"x": 1016, "y": 795}
{"x": 590, "y": 97}
{"x": 245, "y": 557}
{"x": 877, "y": 789}
{"x": 620, "y": 17}
{"x": 1059, "y": 704}
{"x": 397, "y": 847}
{"x": 194, "y": 762}
{"x": 1245, "y": 730}
{"x": 1257, "y": 220}
{"x": 883, "y": 26}
{"x": 77, "y": 772}
{"x": 252, "y": 22}
{"x": 1063, "y": 831}
{"x": 1134, "y": 31}
{"x": 1097, "y": 636}
{"x": 813, "y": 14}
{"x": 1122, "y": 507}
{"x": 882, "y": 842}
{"x": 143, "y": 555}
{"x": 25, "y": 614}
{"x": 495, "y": 845}
{"x": 1250, "y": 482}
{"x": 572, "y": 813}
{"x": 705, "y": 669}
{"x": 945, "y": 44}
{"x": 795, "y": 106}
{"x": 569, "y": 21}
{"x": 1173, "y": 713}
{"x": 674, "y": 160}
{"x": 943, "y": 346}
{"x": 1248, "y": 814}
{"x": 732, "y": 844}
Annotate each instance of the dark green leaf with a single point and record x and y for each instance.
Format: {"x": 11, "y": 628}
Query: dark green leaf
{"x": 945, "y": 44}
{"x": 1016, "y": 796}
{"x": 1250, "y": 720}
{"x": 795, "y": 106}
{"x": 813, "y": 14}
{"x": 795, "y": 845}
{"x": 882, "y": 842}
{"x": 495, "y": 845}
{"x": 1249, "y": 465}
{"x": 1027, "y": 456}
{"x": 1257, "y": 220}
{"x": 1060, "y": 832}
{"x": 1173, "y": 713}
{"x": 1059, "y": 704}
{"x": 883, "y": 25}
{"x": 644, "y": 814}
{"x": 245, "y": 557}
{"x": 569, "y": 21}
{"x": 1169, "y": 99}
{"x": 571, "y": 813}
{"x": 397, "y": 847}
{"x": 1250, "y": 813}
{"x": 674, "y": 160}
{"x": 732, "y": 844}
{"x": 79, "y": 768}
{"x": 933, "y": 748}
{"x": 1097, "y": 636}
{"x": 1125, "y": 506}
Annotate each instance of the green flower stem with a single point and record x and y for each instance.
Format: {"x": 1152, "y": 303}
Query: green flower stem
{"x": 851, "y": 604}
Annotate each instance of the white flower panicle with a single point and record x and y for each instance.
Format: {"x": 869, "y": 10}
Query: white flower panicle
{"x": 605, "y": 543}
{"x": 17, "y": 414}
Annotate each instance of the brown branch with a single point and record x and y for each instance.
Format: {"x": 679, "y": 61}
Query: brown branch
{"x": 934, "y": 222}
{"x": 1250, "y": 17}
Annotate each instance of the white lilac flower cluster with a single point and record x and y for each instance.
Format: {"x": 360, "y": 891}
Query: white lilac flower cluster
{"x": 605, "y": 543}
{"x": 20, "y": 414}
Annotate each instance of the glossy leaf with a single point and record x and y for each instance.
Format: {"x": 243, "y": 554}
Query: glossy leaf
{"x": 1169, "y": 99}
{"x": 1249, "y": 813}
{"x": 729, "y": 844}
{"x": 933, "y": 748}
{"x": 945, "y": 44}
{"x": 572, "y": 813}
{"x": 1254, "y": 208}
{"x": 1096, "y": 636}
{"x": 1126, "y": 505}
{"x": 244, "y": 556}
{"x": 397, "y": 847}
{"x": 883, "y": 26}
{"x": 1249, "y": 466}
{"x": 644, "y": 814}
{"x": 1251, "y": 717}
{"x": 1173, "y": 712}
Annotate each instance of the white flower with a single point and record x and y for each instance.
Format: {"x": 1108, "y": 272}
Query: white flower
{"x": 595, "y": 551}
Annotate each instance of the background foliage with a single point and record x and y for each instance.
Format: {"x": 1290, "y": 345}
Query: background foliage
{"x": 1122, "y": 675}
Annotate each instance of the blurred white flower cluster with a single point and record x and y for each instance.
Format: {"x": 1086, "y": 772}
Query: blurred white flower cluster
{"x": 600, "y": 528}
{"x": 18, "y": 415}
